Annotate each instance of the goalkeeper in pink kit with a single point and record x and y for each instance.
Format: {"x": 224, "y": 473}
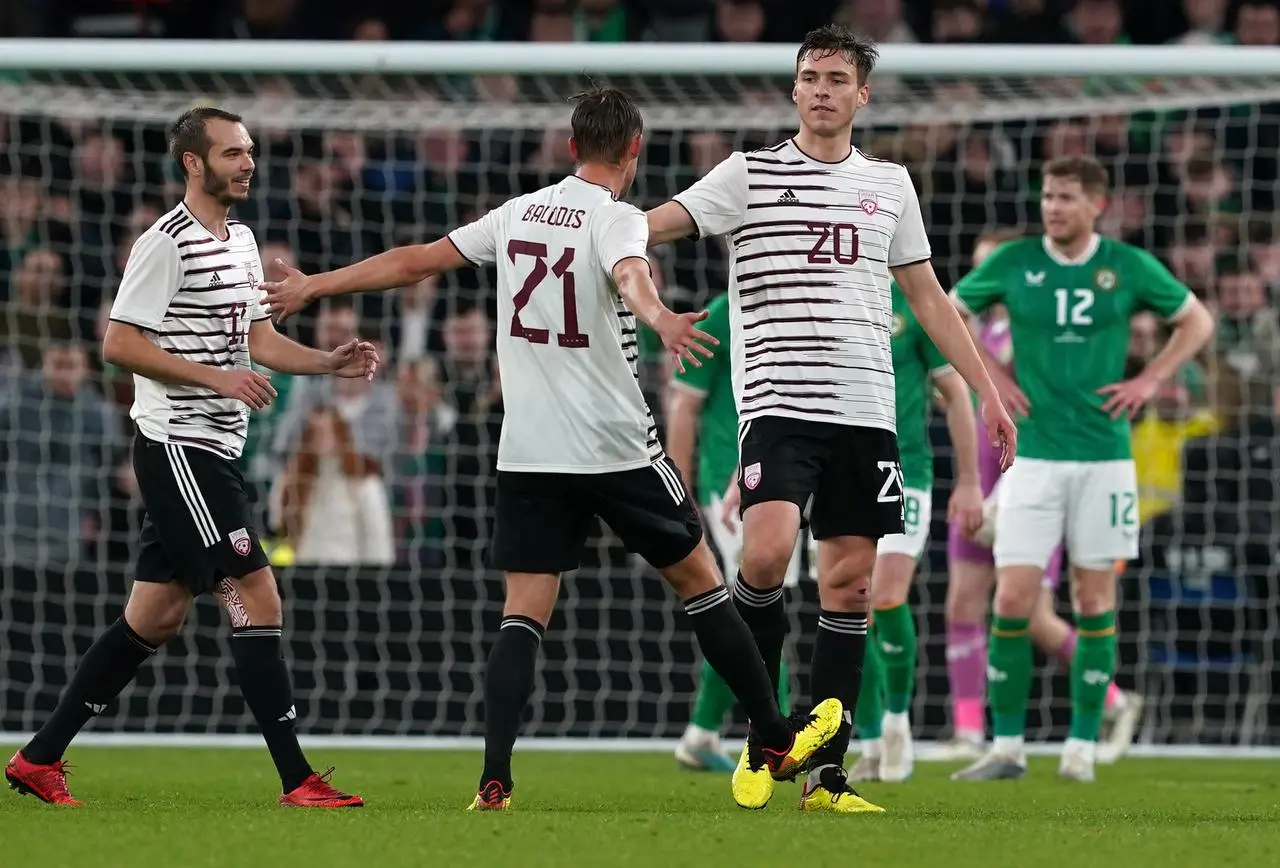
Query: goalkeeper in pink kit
{"x": 972, "y": 580}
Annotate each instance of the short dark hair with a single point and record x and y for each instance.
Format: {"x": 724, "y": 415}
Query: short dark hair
{"x": 188, "y": 134}
{"x": 835, "y": 39}
{"x": 604, "y": 122}
{"x": 1089, "y": 172}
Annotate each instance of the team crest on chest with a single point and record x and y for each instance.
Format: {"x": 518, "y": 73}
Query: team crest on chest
{"x": 1105, "y": 279}
{"x": 869, "y": 202}
{"x": 251, "y": 276}
{"x": 898, "y": 325}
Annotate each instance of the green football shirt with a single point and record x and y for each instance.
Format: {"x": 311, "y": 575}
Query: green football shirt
{"x": 1070, "y": 326}
{"x": 916, "y": 361}
{"x": 718, "y": 425}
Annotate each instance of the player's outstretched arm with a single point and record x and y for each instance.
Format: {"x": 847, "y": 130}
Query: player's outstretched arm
{"x": 125, "y": 346}
{"x": 965, "y": 505}
{"x": 1192, "y": 328}
{"x": 950, "y": 334}
{"x": 669, "y": 222}
{"x": 679, "y": 332}
{"x": 279, "y": 353}
{"x": 402, "y": 266}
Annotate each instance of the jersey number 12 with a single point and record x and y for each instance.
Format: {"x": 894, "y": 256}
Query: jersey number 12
{"x": 570, "y": 338}
{"x": 1073, "y": 306}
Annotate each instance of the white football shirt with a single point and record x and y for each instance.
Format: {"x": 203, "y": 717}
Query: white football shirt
{"x": 811, "y": 245}
{"x": 567, "y": 345}
{"x": 194, "y": 295}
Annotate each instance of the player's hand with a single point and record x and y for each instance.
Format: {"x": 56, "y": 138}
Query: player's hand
{"x": 354, "y": 359}
{"x": 1129, "y": 397}
{"x": 1001, "y": 431}
{"x": 682, "y": 337}
{"x": 729, "y": 506}
{"x": 964, "y": 509}
{"x": 247, "y": 385}
{"x": 1011, "y": 394}
{"x": 284, "y": 298}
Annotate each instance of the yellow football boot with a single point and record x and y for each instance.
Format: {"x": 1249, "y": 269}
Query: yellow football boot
{"x": 491, "y": 798}
{"x": 820, "y": 800}
{"x": 759, "y": 767}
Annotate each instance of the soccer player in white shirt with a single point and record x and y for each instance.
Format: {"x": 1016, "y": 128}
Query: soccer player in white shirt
{"x": 815, "y": 229}
{"x": 186, "y": 322}
{"x": 578, "y": 440}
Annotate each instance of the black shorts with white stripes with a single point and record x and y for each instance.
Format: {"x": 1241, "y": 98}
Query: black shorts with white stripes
{"x": 543, "y": 519}
{"x": 198, "y": 528}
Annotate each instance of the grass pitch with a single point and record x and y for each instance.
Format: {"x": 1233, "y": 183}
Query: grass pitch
{"x": 184, "y": 807}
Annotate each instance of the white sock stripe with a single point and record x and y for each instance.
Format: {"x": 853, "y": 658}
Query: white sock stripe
{"x": 252, "y": 632}
{"x": 191, "y": 495}
{"x": 522, "y": 623}
{"x": 664, "y": 473}
{"x": 754, "y": 597}
{"x": 707, "y": 602}
{"x": 848, "y": 628}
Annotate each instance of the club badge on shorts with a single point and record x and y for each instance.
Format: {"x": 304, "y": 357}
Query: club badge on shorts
{"x": 751, "y": 475}
{"x": 240, "y": 541}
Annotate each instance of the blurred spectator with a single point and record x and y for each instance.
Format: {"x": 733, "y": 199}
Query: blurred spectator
{"x": 879, "y": 19}
{"x": 1206, "y": 21}
{"x": 60, "y": 442}
{"x": 1192, "y": 257}
{"x": 1098, "y": 22}
{"x": 1232, "y": 479}
{"x": 678, "y": 20}
{"x": 419, "y": 465}
{"x": 370, "y": 410}
{"x": 1248, "y": 337}
{"x": 1264, "y": 255}
{"x": 36, "y": 313}
{"x": 1176, "y": 415}
{"x": 332, "y": 502}
{"x": 472, "y": 387}
{"x": 465, "y": 20}
{"x": 957, "y": 21}
{"x": 737, "y": 21}
{"x": 1258, "y": 23}
{"x": 416, "y": 330}
{"x": 1031, "y": 21}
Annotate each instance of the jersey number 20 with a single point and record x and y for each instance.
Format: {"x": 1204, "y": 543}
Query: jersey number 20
{"x": 570, "y": 338}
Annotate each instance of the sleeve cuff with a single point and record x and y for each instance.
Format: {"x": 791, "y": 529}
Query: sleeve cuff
{"x": 688, "y": 387}
{"x": 135, "y": 321}
{"x": 1182, "y": 309}
{"x": 914, "y": 259}
{"x": 461, "y": 253}
{"x": 959, "y": 303}
{"x": 697, "y": 228}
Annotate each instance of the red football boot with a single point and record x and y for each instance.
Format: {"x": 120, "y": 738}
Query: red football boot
{"x": 316, "y": 792}
{"x": 46, "y": 783}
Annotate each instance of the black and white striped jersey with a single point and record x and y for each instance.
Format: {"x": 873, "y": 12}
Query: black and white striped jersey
{"x": 194, "y": 295}
{"x": 567, "y": 344}
{"x": 811, "y": 245}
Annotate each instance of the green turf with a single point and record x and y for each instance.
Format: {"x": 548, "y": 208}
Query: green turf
{"x": 175, "y": 807}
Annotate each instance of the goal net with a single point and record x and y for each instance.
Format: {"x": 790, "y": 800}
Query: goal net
{"x": 364, "y": 147}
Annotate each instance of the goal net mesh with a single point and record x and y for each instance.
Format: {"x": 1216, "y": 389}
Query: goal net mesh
{"x": 350, "y": 165}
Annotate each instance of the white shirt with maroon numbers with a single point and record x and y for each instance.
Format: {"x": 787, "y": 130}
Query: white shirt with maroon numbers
{"x": 811, "y": 245}
{"x": 193, "y": 295}
{"x": 567, "y": 347}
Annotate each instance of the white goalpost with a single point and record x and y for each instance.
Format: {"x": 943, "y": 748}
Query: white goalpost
{"x": 365, "y": 145}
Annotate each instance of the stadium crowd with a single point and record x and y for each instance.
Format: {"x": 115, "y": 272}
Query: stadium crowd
{"x": 399, "y": 470}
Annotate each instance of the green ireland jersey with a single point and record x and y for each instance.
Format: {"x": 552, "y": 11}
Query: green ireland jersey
{"x": 916, "y": 362}
{"x": 1069, "y": 320}
{"x": 718, "y": 425}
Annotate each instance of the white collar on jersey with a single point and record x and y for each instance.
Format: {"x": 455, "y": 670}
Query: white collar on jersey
{"x": 1057, "y": 256}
